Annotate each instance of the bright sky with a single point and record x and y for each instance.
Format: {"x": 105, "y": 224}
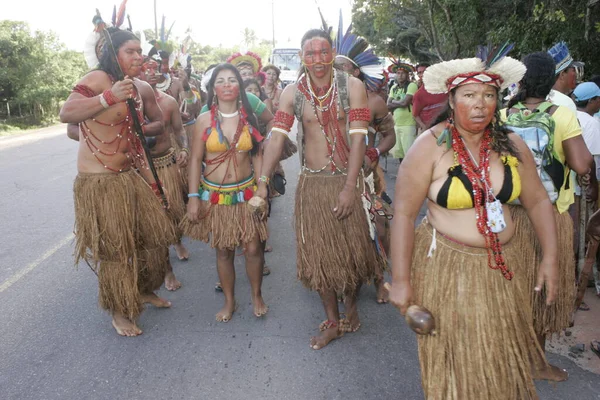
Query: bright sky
{"x": 71, "y": 19}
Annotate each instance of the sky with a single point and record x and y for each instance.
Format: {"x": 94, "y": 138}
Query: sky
{"x": 71, "y": 19}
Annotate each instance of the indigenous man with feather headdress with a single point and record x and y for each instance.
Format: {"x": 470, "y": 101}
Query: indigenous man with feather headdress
{"x": 120, "y": 227}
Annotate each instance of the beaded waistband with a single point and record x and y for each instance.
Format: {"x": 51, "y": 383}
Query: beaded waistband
{"x": 229, "y": 193}
{"x": 165, "y": 161}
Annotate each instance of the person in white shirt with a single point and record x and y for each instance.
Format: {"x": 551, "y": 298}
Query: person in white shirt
{"x": 587, "y": 100}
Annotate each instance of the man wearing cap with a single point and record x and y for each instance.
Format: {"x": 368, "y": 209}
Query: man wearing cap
{"x": 587, "y": 100}
{"x": 399, "y": 103}
{"x": 566, "y": 76}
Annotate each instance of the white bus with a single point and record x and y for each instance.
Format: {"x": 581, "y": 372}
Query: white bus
{"x": 288, "y": 61}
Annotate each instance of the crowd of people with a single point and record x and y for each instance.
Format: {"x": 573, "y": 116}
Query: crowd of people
{"x": 165, "y": 154}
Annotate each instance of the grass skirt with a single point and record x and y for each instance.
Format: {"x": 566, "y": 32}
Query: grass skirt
{"x": 484, "y": 340}
{"x": 121, "y": 230}
{"x": 172, "y": 180}
{"x": 554, "y": 318}
{"x": 225, "y": 226}
{"x": 332, "y": 254}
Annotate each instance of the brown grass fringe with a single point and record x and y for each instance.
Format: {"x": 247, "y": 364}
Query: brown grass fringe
{"x": 172, "y": 181}
{"x": 117, "y": 217}
{"x": 555, "y": 318}
{"x": 485, "y": 339}
{"x": 289, "y": 148}
{"x": 226, "y": 227}
{"x": 332, "y": 254}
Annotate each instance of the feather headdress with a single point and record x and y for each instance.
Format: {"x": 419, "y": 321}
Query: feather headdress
{"x": 249, "y": 57}
{"x": 94, "y": 41}
{"x": 491, "y": 66}
{"x": 562, "y": 57}
{"x": 356, "y": 50}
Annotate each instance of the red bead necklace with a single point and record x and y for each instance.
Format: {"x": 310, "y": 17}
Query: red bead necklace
{"x": 479, "y": 176}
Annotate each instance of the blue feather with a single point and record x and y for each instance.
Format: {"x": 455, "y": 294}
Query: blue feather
{"x": 114, "y": 16}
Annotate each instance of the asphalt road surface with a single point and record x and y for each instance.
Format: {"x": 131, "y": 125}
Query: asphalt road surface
{"x": 55, "y": 342}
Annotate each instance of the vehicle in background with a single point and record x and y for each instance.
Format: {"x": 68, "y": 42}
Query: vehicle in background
{"x": 288, "y": 61}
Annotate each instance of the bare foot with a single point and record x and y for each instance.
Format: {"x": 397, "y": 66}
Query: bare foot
{"x": 268, "y": 249}
{"x": 266, "y": 270}
{"x": 552, "y": 373}
{"x": 381, "y": 293}
{"x": 156, "y": 301}
{"x": 260, "y": 308}
{"x": 124, "y": 326}
{"x": 182, "y": 253}
{"x": 351, "y": 322}
{"x": 171, "y": 283}
{"x": 225, "y": 314}
{"x": 326, "y": 336}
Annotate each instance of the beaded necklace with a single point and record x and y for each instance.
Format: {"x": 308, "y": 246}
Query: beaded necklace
{"x": 166, "y": 84}
{"x": 135, "y": 152}
{"x": 479, "y": 176}
{"x": 328, "y": 123}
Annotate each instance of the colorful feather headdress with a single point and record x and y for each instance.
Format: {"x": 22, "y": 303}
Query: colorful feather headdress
{"x": 562, "y": 57}
{"x": 95, "y": 41}
{"x": 356, "y": 50}
{"x": 397, "y": 64}
{"x": 250, "y": 58}
{"x": 491, "y": 66}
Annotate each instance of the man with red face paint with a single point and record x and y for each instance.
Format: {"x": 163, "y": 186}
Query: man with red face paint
{"x": 121, "y": 228}
{"x": 168, "y": 160}
{"x": 335, "y": 250}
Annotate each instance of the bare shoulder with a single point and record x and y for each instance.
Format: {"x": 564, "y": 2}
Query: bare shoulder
{"x": 377, "y": 104}
{"x": 96, "y": 80}
{"x": 144, "y": 88}
{"x": 170, "y": 102}
{"x": 204, "y": 119}
{"x": 286, "y": 101}
{"x": 518, "y": 142}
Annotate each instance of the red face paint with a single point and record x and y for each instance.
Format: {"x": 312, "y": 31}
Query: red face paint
{"x": 149, "y": 72}
{"x": 227, "y": 87}
{"x": 130, "y": 58}
{"x": 317, "y": 56}
{"x": 474, "y": 106}
{"x": 571, "y": 78}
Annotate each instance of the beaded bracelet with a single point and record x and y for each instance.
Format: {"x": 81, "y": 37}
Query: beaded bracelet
{"x": 103, "y": 101}
{"x": 193, "y": 195}
{"x": 264, "y": 179}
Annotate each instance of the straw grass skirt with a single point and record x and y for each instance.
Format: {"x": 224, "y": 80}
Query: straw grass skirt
{"x": 485, "y": 339}
{"x": 122, "y": 231}
{"x": 332, "y": 254}
{"x": 226, "y": 226}
{"x": 554, "y": 318}
{"x": 172, "y": 180}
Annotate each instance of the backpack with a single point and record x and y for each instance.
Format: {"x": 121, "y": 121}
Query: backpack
{"x": 536, "y": 128}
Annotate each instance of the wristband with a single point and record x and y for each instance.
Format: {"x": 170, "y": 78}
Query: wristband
{"x": 185, "y": 149}
{"x": 103, "y": 102}
{"x": 193, "y": 195}
{"x": 358, "y": 131}
{"x": 264, "y": 179}
{"x": 373, "y": 154}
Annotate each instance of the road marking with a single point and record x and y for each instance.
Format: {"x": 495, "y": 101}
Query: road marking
{"x": 16, "y": 277}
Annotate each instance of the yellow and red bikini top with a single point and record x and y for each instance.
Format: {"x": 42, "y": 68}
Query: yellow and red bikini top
{"x": 216, "y": 142}
{"x": 457, "y": 191}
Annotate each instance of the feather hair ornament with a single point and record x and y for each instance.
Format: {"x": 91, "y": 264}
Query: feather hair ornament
{"x": 356, "y": 50}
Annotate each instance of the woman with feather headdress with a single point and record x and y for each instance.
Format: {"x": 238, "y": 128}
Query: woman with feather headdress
{"x": 461, "y": 263}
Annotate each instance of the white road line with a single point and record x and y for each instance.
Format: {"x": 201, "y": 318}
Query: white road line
{"x": 16, "y": 277}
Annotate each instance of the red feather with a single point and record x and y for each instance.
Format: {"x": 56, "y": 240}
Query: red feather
{"x": 121, "y": 14}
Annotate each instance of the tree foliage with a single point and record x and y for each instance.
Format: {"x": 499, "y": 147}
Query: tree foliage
{"x": 435, "y": 30}
{"x": 36, "y": 70}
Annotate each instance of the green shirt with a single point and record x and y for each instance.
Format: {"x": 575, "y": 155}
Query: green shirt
{"x": 257, "y": 106}
{"x": 403, "y": 115}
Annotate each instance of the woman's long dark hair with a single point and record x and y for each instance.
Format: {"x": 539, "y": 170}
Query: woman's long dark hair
{"x": 538, "y": 80}
{"x": 252, "y": 118}
{"x": 501, "y": 143}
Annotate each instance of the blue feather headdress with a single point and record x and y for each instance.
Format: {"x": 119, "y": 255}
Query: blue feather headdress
{"x": 562, "y": 57}
{"x": 356, "y": 50}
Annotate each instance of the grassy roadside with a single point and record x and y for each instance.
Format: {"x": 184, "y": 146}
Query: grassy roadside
{"x": 10, "y": 128}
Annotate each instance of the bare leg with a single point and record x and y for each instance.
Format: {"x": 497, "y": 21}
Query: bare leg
{"x": 171, "y": 283}
{"x": 351, "y": 323}
{"x": 182, "y": 253}
{"x": 255, "y": 262}
{"x": 329, "y": 299}
{"x": 383, "y": 227}
{"x": 552, "y": 372}
{"x": 227, "y": 277}
{"x": 124, "y": 326}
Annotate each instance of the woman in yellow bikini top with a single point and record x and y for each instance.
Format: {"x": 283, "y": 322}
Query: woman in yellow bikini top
{"x": 227, "y": 141}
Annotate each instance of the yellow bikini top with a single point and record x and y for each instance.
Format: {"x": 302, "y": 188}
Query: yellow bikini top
{"x": 216, "y": 142}
{"x": 457, "y": 191}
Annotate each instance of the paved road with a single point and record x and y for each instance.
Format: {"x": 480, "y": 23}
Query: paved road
{"x": 55, "y": 343}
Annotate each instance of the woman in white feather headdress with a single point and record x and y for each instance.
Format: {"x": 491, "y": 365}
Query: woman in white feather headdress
{"x": 460, "y": 261}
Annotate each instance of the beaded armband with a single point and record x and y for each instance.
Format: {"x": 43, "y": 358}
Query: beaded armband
{"x": 283, "y": 122}
{"x": 84, "y": 90}
{"x": 360, "y": 114}
{"x": 372, "y": 153}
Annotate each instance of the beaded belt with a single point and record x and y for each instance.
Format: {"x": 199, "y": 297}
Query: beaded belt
{"x": 166, "y": 160}
{"x": 229, "y": 193}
